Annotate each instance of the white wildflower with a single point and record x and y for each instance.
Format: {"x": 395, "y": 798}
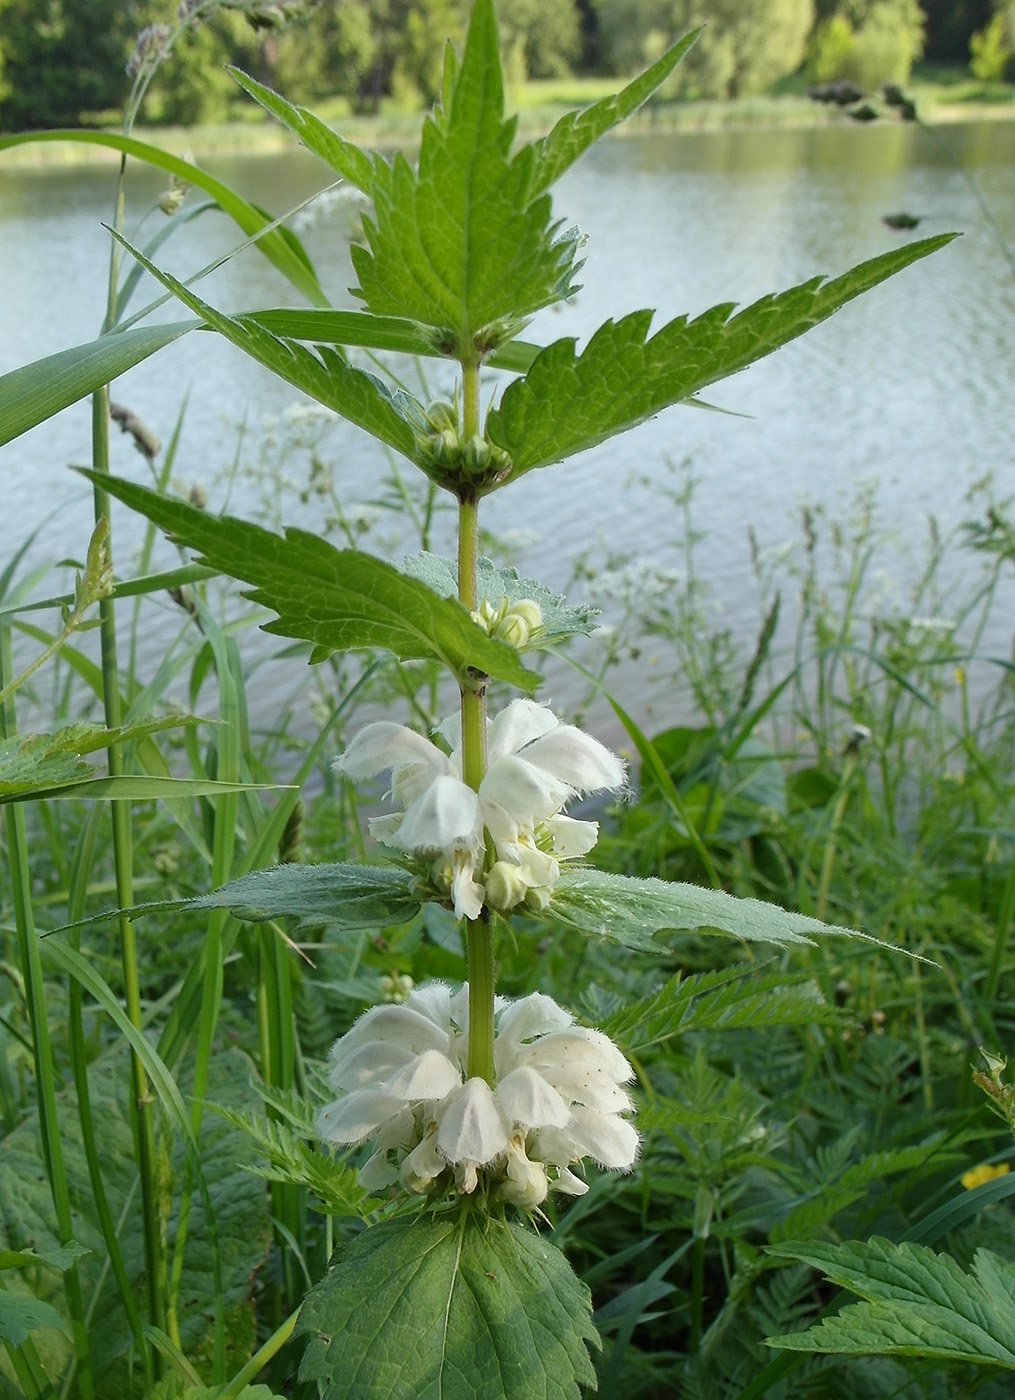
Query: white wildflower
{"x": 401, "y": 1076}
{"x": 536, "y": 765}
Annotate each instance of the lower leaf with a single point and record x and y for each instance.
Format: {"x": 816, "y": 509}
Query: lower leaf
{"x": 449, "y": 1308}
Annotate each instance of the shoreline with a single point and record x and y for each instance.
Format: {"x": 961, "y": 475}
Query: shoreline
{"x": 400, "y": 130}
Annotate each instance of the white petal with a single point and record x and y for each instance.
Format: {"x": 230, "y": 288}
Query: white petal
{"x": 527, "y": 1100}
{"x": 369, "y": 1063}
{"x": 530, "y": 1016}
{"x": 385, "y": 829}
{"x": 571, "y": 838}
{"x": 517, "y": 725}
{"x": 445, "y": 816}
{"x": 429, "y": 1076}
{"x": 402, "y": 1026}
{"x": 506, "y": 885}
{"x": 525, "y": 1182}
{"x": 577, "y": 759}
{"x": 577, "y": 1045}
{"x": 470, "y": 1126}
{"x": 432, "y": 999}
{"x": 526, "y": 792}
{"x": 377, "y": 1172}
{"x": 423, "y": 1164}
{"x": 569, "y": 1184}
{"x": 355, "y": 1116}
{"x": 607, "y": 1139}
{"x": 380, "y": 746}
{"x": 589, "y": 1085}
{"x": 466, "y": 894}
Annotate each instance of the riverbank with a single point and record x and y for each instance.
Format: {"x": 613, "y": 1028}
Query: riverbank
{"x": 942, "y": 97}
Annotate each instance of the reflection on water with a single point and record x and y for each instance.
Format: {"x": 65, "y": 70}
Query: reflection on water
{"x": 911, "y": 386}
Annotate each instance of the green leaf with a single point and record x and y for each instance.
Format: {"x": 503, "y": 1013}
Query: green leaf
{"x": 344, "y": 896}
{"x": 569, "y": 402}
{"x": 448, "y": 1309}
{"x": 633, "y": 912}
{"x": 61, "y": 1258}
{"x": 393, "y": 417}
{"x": 35, "y": 392}
{"x": 497, "y": 585}
{"x": 295, "y": 1162}
{"x": 463, "y": 242}
{"x": 576, "y": 131}
{"x": 20, "y": 1315}
{"x": 280, "y": 246}
{"x": 348, "y": 160}
{"x": 395, "y": 333}
{"x": 32, "y": 764}
{"x": 337, "y": 598}
{"x": 917, "y": 1303}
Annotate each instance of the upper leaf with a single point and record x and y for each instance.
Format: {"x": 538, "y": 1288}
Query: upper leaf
{"x": 463, "y": 241}
{"x": 918, "y": 1303}
{"x": 576, "y": 131}
{"x": 393, "y": 417}
{"x": 568, "y": 402}
{"x": 336, "y": 598}
{"x": 448, "y": 1309}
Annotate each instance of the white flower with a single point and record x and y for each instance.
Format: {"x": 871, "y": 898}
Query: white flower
{"x": 535, "y": 766}
{"x": 402, "y": 1081}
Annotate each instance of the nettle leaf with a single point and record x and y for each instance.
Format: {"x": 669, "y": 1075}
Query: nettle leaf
{"x": 449, "y": 1309}
{"x": 392, "y": 416}
{"x": 634, "y": 912}
{"x": 463, "y": 241}
{"x": 344, "y": 896}
{"x": 577, "y": 131}
{"x": 494, "y": 585}
{"x": 569, "y": 402}
{"x": 339, "y": 599}
{"x": 20, "y": 1315}
{"x": 61, "y": 1258}
{"x": 35, "y": 765}
{"x": 917, "y": 1303}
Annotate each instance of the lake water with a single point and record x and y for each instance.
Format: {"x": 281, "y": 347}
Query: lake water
{"x": 913, "y": 386}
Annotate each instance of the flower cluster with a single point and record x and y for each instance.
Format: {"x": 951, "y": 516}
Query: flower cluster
{"x": 401, "y": 1076}
{"x": 535, "y": 766}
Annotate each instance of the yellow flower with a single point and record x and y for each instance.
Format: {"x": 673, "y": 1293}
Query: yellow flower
{"x": 976, "y": 1176}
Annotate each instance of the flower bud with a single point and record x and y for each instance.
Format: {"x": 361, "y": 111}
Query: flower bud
{"x": 506, "y": 886}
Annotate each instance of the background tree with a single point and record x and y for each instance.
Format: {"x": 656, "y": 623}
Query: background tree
{"x": 868, "y": 42}
{"x": 62, "y": 58}
{"x": 746, "y": 46}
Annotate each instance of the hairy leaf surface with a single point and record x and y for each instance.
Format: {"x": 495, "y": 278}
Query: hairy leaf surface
{"x": 448, "y": 1309}
{"x": 337, "y": 598}
{"x": 568, "y": 402}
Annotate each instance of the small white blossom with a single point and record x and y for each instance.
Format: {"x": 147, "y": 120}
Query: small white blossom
{"x": 535, "y": 766}
{"x": 402, "y": 1081}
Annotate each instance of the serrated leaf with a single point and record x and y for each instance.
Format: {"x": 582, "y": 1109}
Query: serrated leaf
{"x": 393, "y": 417}
{"x": 344, "y": 896}
{"x": 35, "y": 392}
{"x": 725, "y": 999}
{"x": 462, "y": 242}
{"x": 568, "y": 402}
{"x": 37, "y": 764}
{"x": 917, "y": 1303}
{"x": 348, "y": 160}
{"x": 279, "y": 245}
{"x": 20, "y": 1315}
{"x": 61, "y": 1258}
{"x": 448, "y": 1309}
{"x": 295, "y": 1162}
{"x": 634, "y": 912}
{"x": 494, "y": 585}
{"x": 577, "y": 131}
{"x": 336, "y": 598}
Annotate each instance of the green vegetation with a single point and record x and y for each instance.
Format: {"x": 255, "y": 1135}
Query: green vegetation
{"x": 793, "y": 942}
